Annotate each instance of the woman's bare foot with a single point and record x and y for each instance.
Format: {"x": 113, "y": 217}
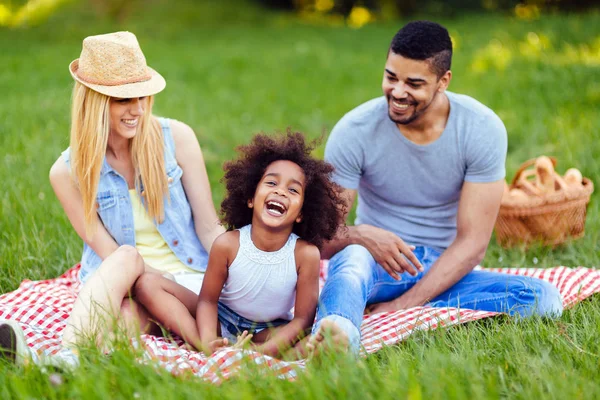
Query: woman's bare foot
{"x": 329, "y": 337}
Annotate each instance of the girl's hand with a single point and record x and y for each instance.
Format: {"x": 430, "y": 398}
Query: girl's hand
{"x": 242, "y": 340}
{"x": 215, "y": 345}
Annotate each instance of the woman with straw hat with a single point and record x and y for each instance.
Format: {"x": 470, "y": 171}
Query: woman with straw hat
{"x": 133, "y": 186}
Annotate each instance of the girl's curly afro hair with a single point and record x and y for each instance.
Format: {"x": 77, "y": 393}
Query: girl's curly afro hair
{"x": 323, "y": 209}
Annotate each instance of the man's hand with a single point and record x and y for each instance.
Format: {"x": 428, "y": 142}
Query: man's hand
{"x": 389, "y": 251}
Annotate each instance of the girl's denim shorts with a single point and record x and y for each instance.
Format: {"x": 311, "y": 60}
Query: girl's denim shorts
{"x": 233, "y": 324}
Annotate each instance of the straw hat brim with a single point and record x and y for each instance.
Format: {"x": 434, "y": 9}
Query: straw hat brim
{"x": 130, "y": 90}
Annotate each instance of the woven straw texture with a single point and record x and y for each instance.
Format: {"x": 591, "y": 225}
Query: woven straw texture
{"x": 549, "y": 219}
{"x": 113, "y": 64}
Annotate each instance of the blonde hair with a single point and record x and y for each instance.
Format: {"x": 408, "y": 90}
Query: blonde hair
{"x": 90, "y": 128}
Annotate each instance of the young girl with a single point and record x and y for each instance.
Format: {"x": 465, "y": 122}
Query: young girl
{"x": 280, "y": 207}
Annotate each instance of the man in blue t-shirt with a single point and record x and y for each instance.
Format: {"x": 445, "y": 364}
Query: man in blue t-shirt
{"x": 428, "y": 167}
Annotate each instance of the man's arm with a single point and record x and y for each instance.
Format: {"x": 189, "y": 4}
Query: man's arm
{"x": 477, "y": 211}
{"x": 345, "y": 235}
{"x": 387, "y": 249}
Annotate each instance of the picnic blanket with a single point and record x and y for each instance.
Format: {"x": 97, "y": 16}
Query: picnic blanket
{"x": 42, "y": 308}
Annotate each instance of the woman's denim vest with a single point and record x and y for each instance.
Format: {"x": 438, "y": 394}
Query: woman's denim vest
{"x": 114, "y": 209}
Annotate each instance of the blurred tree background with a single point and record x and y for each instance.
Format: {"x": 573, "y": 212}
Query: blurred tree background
{"x": 22, "y": 13}
{"x": 356, "y": 13}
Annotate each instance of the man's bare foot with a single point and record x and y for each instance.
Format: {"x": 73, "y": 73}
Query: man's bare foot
{"x": 387, "y": 306}
{"x": 329, "y": 337}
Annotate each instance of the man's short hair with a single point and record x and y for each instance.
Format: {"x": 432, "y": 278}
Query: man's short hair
{"x": 425, "y": 40}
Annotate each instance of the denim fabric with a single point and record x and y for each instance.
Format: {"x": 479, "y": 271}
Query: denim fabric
{"x": 114, "y": 209}
{"x": 233, "y": 324}
{"x": 356, "y": 280}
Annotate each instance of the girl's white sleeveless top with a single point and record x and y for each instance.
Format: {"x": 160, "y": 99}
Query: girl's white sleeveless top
{"x": 261, "y": 285}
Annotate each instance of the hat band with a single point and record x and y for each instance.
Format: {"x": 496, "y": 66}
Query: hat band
{"x": 93, "y": 81}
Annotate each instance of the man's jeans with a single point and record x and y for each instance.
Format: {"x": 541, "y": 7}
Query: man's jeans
{"x": 356, "y": 280}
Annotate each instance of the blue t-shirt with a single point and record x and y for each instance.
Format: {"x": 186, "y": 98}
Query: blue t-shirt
{"x": 410, "y": 189}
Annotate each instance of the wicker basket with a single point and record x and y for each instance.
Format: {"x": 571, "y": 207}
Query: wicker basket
{"x": 549, "y": 219}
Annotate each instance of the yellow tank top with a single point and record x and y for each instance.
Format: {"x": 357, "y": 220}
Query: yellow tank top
{"x": 150, "y": 243}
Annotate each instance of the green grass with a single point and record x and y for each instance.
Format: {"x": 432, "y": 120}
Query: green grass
{"x": 236, "y": 70}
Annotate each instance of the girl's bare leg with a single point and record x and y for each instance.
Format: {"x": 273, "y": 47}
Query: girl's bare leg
{"x": 170, "y": 304}
{"x": 99, "y": 301}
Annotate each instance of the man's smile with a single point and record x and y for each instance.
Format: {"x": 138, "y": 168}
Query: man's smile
{"x": 399, "y": 106}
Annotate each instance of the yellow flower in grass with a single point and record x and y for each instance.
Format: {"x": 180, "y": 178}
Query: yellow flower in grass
{"x": 582, "y": 54}
{"x": 454, "y": 38}
{"x": 324, "y": 6}
{"x": 359, "y": 16}
{"x": 493, "y": 56}
{"x": 534, "y": 45}
{"x": 35, "y": 11}
{"x": 527, "y": 11}
{"x": 5, "y": 15}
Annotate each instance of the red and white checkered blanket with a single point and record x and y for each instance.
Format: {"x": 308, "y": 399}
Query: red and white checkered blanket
{"x": 42, "y": 308}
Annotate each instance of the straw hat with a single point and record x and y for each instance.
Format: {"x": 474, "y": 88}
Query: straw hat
{"x": 114, "y": 65}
